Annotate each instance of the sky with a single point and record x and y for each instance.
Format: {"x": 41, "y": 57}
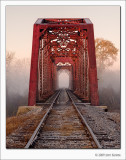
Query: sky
{"x": 20, "y": 20}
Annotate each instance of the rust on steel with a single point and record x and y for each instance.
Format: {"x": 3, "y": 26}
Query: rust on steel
{"x": 63, "y": 40}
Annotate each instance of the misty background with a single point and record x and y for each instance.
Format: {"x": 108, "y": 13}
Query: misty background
{"x": 17, "y": 85}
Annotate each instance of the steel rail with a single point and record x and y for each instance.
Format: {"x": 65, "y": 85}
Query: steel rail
{"x": 34, "y": 135}
{"x": 85, "y": 123}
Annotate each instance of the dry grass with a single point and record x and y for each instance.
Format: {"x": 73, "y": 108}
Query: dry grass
{"x": 12, "y": 123}
{"x": 23, "y": 127}
{"x": 24, "y": 109}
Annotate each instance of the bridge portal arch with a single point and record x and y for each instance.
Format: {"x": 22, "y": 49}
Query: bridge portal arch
{"x": 68, "y": 69}
{"x": 64, "y": 79}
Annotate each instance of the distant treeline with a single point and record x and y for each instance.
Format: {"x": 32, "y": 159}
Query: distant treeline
{"x": 17, "y": 83}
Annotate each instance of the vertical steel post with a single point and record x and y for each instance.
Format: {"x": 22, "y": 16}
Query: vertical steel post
{"x": 92, "y": 67}
{"x": 34, "y": 67}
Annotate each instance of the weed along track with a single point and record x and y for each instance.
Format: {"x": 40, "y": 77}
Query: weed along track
{"x": 63, "y": 127}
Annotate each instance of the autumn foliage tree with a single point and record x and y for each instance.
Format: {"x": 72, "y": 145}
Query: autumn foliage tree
{"x": 106, "y": 53}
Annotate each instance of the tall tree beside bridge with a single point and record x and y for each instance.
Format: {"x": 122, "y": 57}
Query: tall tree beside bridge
{"x": 106, "y": 53}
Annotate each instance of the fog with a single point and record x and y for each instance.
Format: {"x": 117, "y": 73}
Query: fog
{"x": 110, "y": 79}
{"x": 63, "y": 79}
{"x": 109, "y": 89}
{"x": 17, "y": 85}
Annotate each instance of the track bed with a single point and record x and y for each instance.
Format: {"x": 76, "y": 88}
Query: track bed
{"x": 63, "y": 128}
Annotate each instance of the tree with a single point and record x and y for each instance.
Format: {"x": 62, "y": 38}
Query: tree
{"x": 17, "y": 82}
{"x": 106, "y": 53}
{"x": 9, "y": 59}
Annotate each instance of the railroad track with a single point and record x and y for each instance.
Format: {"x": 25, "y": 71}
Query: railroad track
{"x": 63, "y": 127}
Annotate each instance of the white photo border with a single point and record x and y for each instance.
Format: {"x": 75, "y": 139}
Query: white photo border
{"x": 61, "y": 154}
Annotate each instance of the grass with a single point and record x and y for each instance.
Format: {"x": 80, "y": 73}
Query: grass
{"x": 24, "y": 109}
{"x": 12, "y": 123}
{"x": 26, "y": 123}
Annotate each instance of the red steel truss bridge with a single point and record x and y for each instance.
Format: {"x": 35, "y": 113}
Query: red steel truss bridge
{"x": 63, "y": 44}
